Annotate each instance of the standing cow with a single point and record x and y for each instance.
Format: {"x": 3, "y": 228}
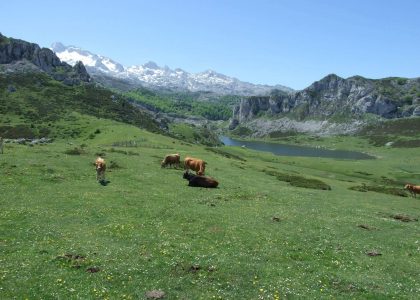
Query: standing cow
{"x": 197, "y": 165}
{"x": 100, "y": 166}
{"x": 171, "y": 159}
{"x": 414, "y": 189}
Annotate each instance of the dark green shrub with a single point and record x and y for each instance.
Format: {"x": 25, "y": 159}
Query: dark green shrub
{"x": 299, "y": 181}
{"x": 379, "y": 189}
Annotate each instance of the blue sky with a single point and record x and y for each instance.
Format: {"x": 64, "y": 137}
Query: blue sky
{"x": 288, "y": 42}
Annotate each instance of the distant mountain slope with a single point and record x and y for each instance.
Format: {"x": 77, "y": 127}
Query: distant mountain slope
{"x": 345, "y": 102}
{"x": 153, "y": 76}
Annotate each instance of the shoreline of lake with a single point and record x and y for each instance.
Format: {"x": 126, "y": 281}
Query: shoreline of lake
{"x": 294, "y": 150}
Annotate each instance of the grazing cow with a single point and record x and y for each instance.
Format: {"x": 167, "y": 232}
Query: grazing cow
{"x": 414, "y": 189}
{"x": 171, "y": 159}
{"x": 200, "y": 181}
{"x": 197, "y": 165}
{"x": 100, "y": 169}
{"x": 1, "y": 145}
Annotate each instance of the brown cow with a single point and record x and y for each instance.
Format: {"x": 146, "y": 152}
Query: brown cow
{"x": 414, "y": 189}
{"x": 171, "y": 159}
{"x": 197, "y": 165}
{"x": 200, "y": 181}
{"x": 100, "y": 168}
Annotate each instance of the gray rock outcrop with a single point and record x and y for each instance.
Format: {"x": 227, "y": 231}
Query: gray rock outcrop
{"x": 18, "y": 54}
{"x": 333, "y": 97}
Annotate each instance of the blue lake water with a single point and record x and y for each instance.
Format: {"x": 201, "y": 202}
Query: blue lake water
{"x": 291, "y": 150}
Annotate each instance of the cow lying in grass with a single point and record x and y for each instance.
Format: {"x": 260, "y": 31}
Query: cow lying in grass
{"x": 200, "y": 181}
{"x": 171, "y": 159}
{"x": 100, "y": 169}
{"x": 197, "y": 165}
{"x": 414, "y": 189}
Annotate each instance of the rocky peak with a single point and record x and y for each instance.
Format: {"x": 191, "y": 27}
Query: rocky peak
{"x": 151, "y": 65}
{"x": 329, "y": 82}
{"x": 15, "y": 50}
{"x": 58, "y": 47}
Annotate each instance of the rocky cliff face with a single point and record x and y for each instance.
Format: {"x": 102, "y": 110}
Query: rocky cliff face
{"x": 335, "y": 98}
{"x": 18, "y": 55}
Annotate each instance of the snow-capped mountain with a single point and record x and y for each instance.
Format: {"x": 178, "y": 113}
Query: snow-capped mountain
{"x": 153, "y": 76}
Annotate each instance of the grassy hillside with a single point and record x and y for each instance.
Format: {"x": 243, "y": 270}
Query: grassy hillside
{"x": 63, "y": 235}
{"x": 187, "y": 104}
{"x": 36, "y": 104}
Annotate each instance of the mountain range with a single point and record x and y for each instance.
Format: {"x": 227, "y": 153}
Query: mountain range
{"x": 332, "y": 105}
{"x": 152, "y": 76}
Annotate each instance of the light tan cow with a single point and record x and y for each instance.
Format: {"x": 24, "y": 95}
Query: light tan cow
{"x": 195, "y": 164}
{"x": 414, "y": 189}
{"x": 100, "y": 169}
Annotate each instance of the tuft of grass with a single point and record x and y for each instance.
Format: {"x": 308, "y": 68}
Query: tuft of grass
{"x": 379, "y": 189}
{"x": 299, "y": 181}
{"x": 404, "y": 218}
{"x": 406, "y": 143}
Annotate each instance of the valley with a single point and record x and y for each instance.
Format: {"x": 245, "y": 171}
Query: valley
{"x": 276, "y": 226}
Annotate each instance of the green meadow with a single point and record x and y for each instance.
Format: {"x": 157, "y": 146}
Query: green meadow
{"x": 269, "y": 231}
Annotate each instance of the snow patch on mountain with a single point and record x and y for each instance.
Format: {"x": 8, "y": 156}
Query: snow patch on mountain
{"x": 152, "y": 75}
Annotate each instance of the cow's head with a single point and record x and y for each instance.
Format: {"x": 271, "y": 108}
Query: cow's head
{"x": 187, "y": 175}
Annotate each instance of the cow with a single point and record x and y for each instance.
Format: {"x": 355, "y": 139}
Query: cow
{"x": 414, "y": 189}
{"x": 1, "y": 145}
{"x": 197, "y": 165}
{"x": 200, "y": 181}
{"x": 100, "y": 169}
{"x": 171, "y": 159}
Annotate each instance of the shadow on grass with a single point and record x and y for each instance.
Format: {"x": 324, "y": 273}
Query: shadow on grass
{"x": 104, "y": 182}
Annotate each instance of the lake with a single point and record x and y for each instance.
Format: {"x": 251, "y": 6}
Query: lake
{"x": 291, "y": 150}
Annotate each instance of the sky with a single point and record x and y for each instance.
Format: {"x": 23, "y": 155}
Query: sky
{"x": 287, "y": 42}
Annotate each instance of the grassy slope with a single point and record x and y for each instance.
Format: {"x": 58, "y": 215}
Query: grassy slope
{"x": 147, "y": 230}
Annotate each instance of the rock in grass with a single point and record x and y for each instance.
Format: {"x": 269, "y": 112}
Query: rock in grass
{"x": 155, "y": 294}
{"x": 373, "y": 253}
